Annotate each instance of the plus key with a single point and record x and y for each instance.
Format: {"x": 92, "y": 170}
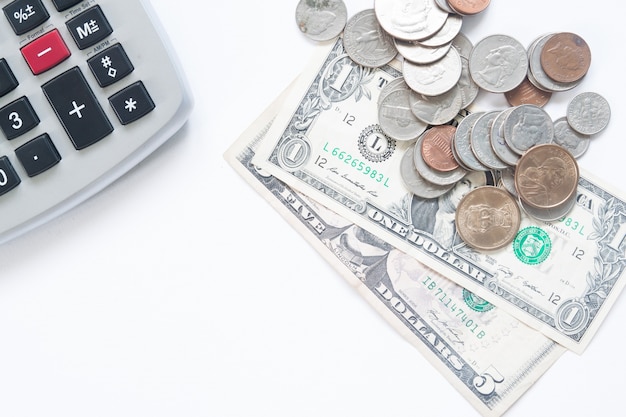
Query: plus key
{"x": 77, "y": 108}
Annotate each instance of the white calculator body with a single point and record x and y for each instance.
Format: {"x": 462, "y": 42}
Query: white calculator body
{"x": 87, "y": 90}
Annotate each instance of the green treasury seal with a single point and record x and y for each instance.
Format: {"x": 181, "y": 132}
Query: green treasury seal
{"x": 475, "y": 302}
{"x": 532, "y": 245}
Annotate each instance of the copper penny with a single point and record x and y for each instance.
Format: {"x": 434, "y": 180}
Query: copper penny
{"x": 468, "y": 7}
{"x": 546, "y": 176}
{"x": 437, "y": 148}
{"x": 488, "y": 218}
{"x": 565, "y": 57}
{"x": 527, "y": 93}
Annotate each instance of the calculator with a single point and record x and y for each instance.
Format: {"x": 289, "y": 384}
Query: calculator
{"x": 87, "y": 90}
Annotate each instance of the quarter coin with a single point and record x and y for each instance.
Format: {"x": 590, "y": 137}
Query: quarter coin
{"x": 366, "y": 42}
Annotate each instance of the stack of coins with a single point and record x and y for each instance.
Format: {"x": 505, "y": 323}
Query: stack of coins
{"x": 533, "y": 156}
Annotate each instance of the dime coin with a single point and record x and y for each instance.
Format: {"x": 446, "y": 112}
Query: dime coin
{"x": 488, "y": 218}
{"x": 574, "y": 142}
{"x": 411, "y": 20}
{"x": 527, "y": 93}
{"x": 437, "y": 110}
{"x": 366, "y": 42}
{"x": 588, "y": 113}
{"x": 565, "y": 57}
{"x": 498, "y": 63}
{"x": 321, "y": 20}
{"x": 526, "y": 126}
{"x": 546, "y": 177}
{"x": 396, "y": 118}
{"x": 415, "y": 183}
{"x": 436, "y": 148}
{"x": 436, "y": 78}
{"x": 468, "y": 7}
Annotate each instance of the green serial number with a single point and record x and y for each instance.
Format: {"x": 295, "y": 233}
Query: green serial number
{"x": 348, "y": 159}
{"x": 457, "y": 311}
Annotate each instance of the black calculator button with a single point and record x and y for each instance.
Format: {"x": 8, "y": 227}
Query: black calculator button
{"x": 17, "y": 118}
{"x": 89, "y": 27}
{"x": 38, "y": 155}
{"x": 25, "y": 15}
{"x": 77, "y": 108}
{"x": 8, "y": 82}
{"x": 8, "y": 177}
{"x": 64, "y": 4}
{"x": 110, "y": 65}
{"x": 132, "y": 103}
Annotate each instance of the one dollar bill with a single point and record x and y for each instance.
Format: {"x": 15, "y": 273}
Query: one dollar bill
{"x": 559, "y": 277}
{"x": 485, "y": 353}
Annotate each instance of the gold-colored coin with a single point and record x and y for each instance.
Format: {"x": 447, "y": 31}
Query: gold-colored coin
{"x": 546, "y": 176}
{"x": 488, "y": 218}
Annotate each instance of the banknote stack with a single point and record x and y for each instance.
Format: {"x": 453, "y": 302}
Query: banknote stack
{"x": 473, "y": 232}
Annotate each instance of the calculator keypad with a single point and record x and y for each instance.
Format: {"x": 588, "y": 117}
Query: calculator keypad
{"x": 69, "y": 94}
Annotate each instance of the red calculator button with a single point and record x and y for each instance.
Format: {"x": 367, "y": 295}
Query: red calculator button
{"x": 45, "y": 52}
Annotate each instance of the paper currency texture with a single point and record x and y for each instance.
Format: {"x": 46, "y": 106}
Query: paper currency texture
{"x": 489, "y": 356}
{"x": 560, "y": 277}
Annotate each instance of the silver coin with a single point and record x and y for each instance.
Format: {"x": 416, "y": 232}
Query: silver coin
{"x": 480, "y": 141}
{"x": 437, "y": 110}
{"x": 469, "y": 89}
{"x": 498, "y": 63}
{"x": 507, "y": 180}
{"x": 411, "y": 20}
{"x": 576, "y": 143}
{"x": 417, "y": 53}
{"x": 447, "y": 33}
{"x": 390, "y": 87}
{"x": 463, "y": 45}
{"x": 415, "y": 183}
{"x": 549, "y": 214}
{"x": 498, "y": 143}
{"x": 443, "y": 4}
{"x": 462, "y": 146}
{"x": 396, "y": 118}
{"x": 436, "y": 78}
{"x": 527, "y": 126}
{"x": 436, "y": 177}
{"x": 366, "y": 42}
{"x": 588, "y": 113}
{"x": 321, "y": 20}
{"x": 537, "y": 75}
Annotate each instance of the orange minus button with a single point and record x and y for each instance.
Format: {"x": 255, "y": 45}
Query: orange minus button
{"x": 45, "y": 52}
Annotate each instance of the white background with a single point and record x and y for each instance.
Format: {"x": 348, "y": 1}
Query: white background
{"x": 178, "y": 291}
